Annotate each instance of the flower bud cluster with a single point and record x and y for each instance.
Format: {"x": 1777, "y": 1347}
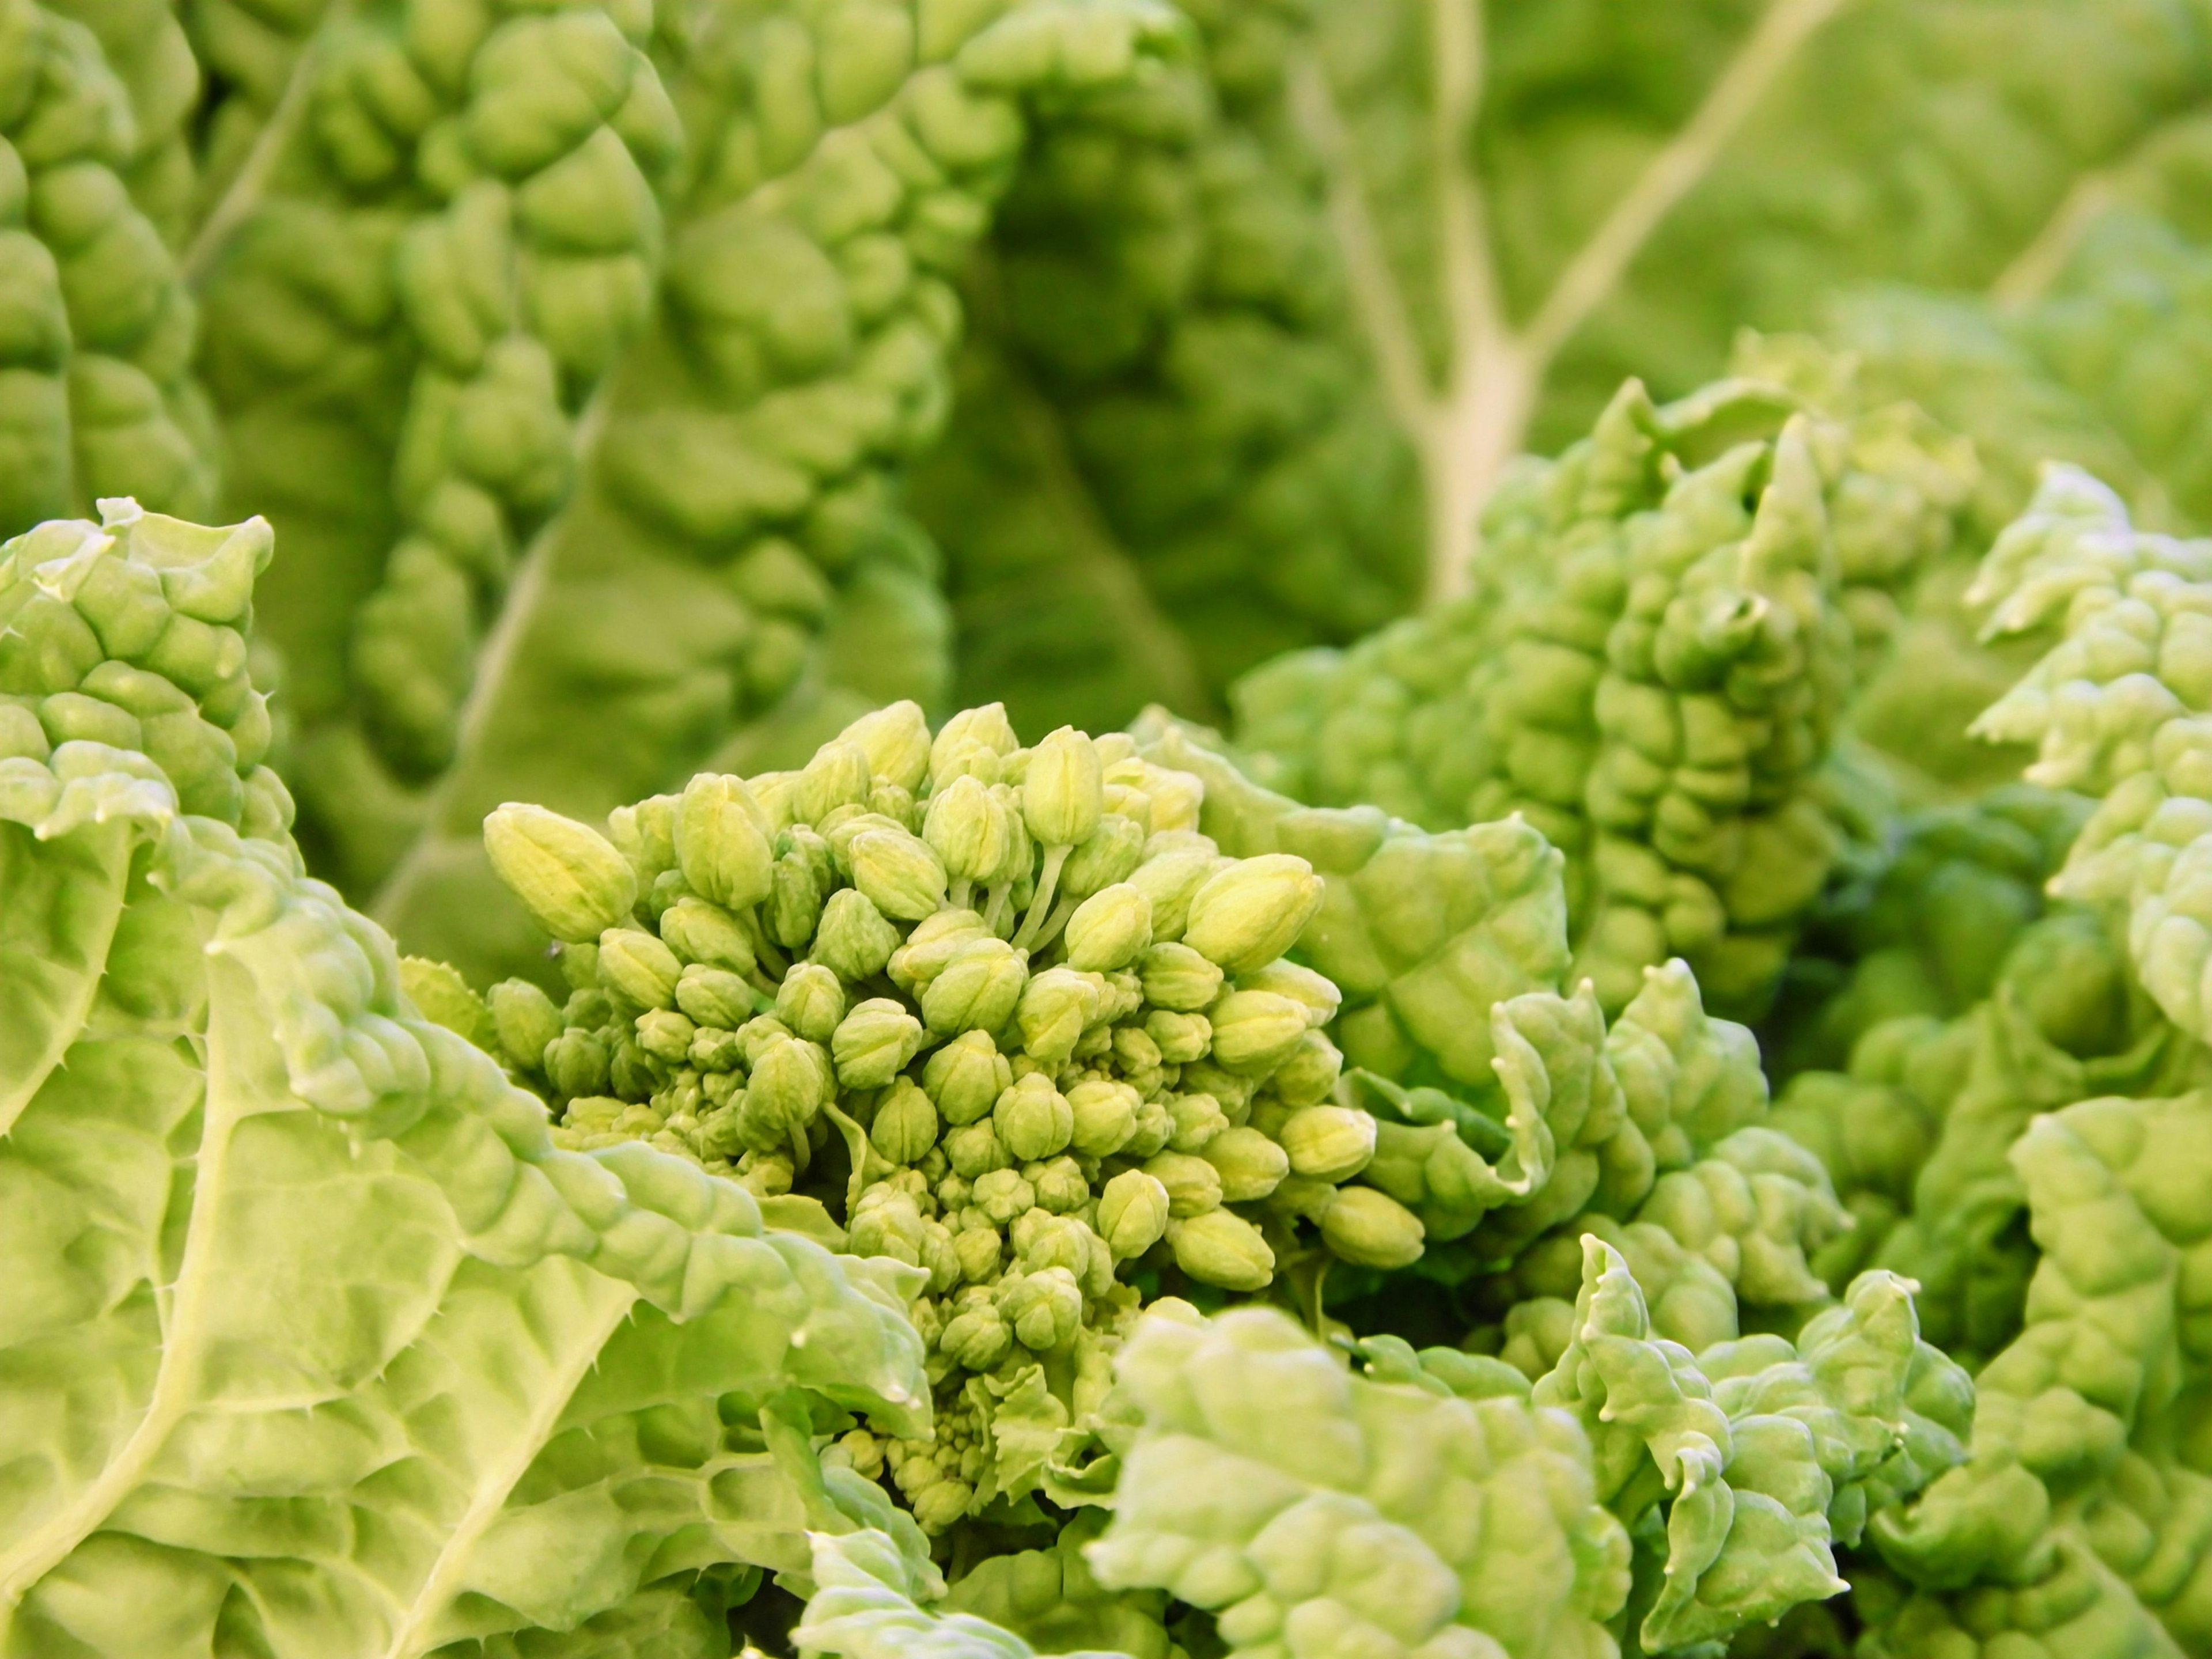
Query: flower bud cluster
{"x": 1004, "y": 1012}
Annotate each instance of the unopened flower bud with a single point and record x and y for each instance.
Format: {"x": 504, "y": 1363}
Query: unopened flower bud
{"x": 1198, "y": 1119}
{"x": 1108, "y": 929}
{"x": 1251, "y": 1165}
{"x": 1155, "y": 1128}
{"x": 838, "y": 775}
{"x": 1103, "y": 1117}
{"x": 722, "y": 841}
{"x": 895, "y": 740}
{"x": 713, "y": 1050}
{"x": 700, "y": 931}
{"x": 568, "y": 875}
{"x": 1034, "y": 1119}
{"x": 525, "y": 1020}
{"x": 1176, "y": 977}
{"x": 1254, "y": 1031}
{"x": 576, "y": 1063}
{"x": 1175, "y": 867}
{"x": 714, "y": 996}
{"x": 1371, "y": 1229}
{"x": 1059, "y": 1185}
{"x": 898, "y": 873}
{"x": 905, "y": 1126}
{"x": 794, "y": 900}
{"x": 1301, "y": 984}
{"x": 1194, "y": 1185}
{"x": 1328, "y": 1143}
{"x": 811, "y": 1001}
{"x": 1132, "y": 1213}
{"x": 975, "y": 1337}
{"x": 978, "y": 989}
{"x": 665, "y": 1035}
{"x": 854, "y": 940}
{"x": 1308, "y": 1074}
{"x": 1180, "y": 1038}
{"x": 966, "y": 1077}
{"x": 873, "y": 1043}
{"x": 979, "y": 1250}
{"x": 1221, "y": 1248}
{"x": 933, "y": 943}
{"x": 974, "y": 1150}
{"x": 755, "y": 1035}
{"x": 1108, "y": 855}
{"x": 789, "y": 1081}
{"x": 1062, "y": 792}
{"x": 1045, "y": 1308}
{"x": 1002, "y": 1194}
{"x": 1252, "y": 911}
{"x": 1055, "y": 1007}
{"x": 967, "y": 830}
{"x": 634, "y": 964}
{"x": 984, "y": 728}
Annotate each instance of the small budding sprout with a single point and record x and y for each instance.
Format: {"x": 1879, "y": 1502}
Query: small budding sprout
{"x": 1003, "y": 1016}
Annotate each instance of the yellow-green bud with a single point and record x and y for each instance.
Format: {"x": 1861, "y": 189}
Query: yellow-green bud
{"x": 639, "y": 966}
{"x": 1175, "y": 866}
{"x": 933, "y": 943}
{"x": 975, "y": 1337}
{"x": 1062, "y": 789}
{"x": 1249, "y": 1164}
{"x": 1252, "y": 911}
{"x": 794, "y": 900}
{"x": 1180, "y": 1038}
{"x": 873, "y": 1043}
{"x": 714, "y": 996}
{"x": 665, "y": 1035}
{"x": 525, "y": 1019}
{"x": 967, "y": 830}
{"x": 838, "y": 775}
{"x": 1055, "y": 1007}
{"x": 1176, "y": 977}
{"x": 895, "y": 740}
{"x": 1108, "y": 929}
{"x": 576, "y": 1063}
{"x": 854, "y": 940}
{"x": 1221, "y": 1248}
{"x": 1371, "y": 1229}
{"x": 1132, "y": 1213}
{"x": 846, "y": 825}
{"x": 1316, "y": 991}
{"x": 979, "y": 989}
{"x": 755, "y": 1035}
{"x": 579, "y": 963}
{"x": 789, "y": 1081}
{"x": 1045, "y": 1308}
{"x": 1059, "y": 1185}
{"x": 1020, "y": 861}
{"x": 645, "y": 834}
{"x": 984, "y": 728}
{"x": 1194, "y": 1185}
{"x": 1043, "y": 1240}
{"x": 811, "y": 1001}
{"x": 1034, "y": 1119}
{"x": 966, "y": 1077}
{"x": 898, "y": 873}
{"x": 1108, "y": 855}
{"x": 1104, "y": 1115}
{"x": 714, "y": 1049}
{"x": 1003, "y": 1194}
{"x": 699, "y": 932}
{"x": 568, "y": 875}
{"x": 1198, "y": 1118}
{"x": 722, "y": 841}
{"x": 974, "y": 1150}
{"x": 1254, "y": 1031}
{"x": 1308, "y": 1074}
{"x": 773, "y": 793}
{"x": 906, "y": 1125}
{"x": 1328, "y": 1143}
{"x": 1154, "y": 1129}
